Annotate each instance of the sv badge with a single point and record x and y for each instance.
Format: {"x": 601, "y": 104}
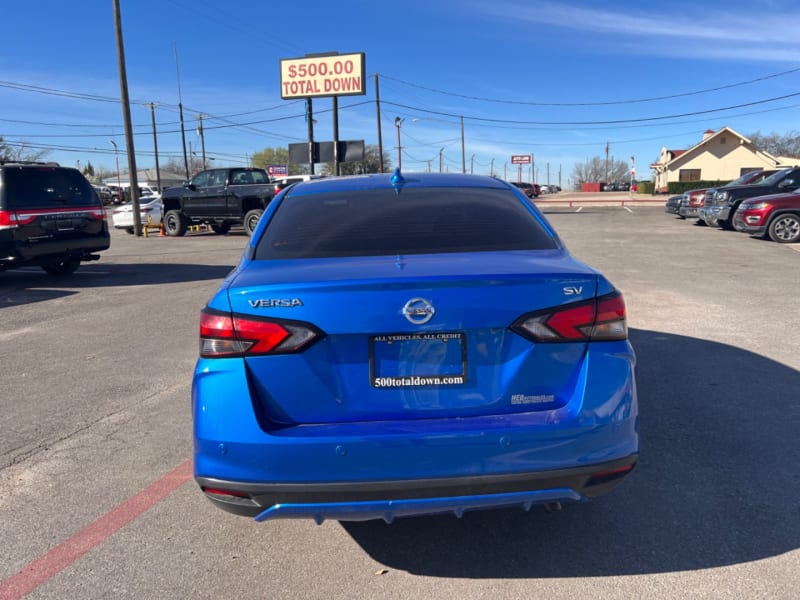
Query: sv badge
{"x": 572, "y": 290}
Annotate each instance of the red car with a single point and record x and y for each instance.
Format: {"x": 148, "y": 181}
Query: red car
{"x": 776, "y": 216}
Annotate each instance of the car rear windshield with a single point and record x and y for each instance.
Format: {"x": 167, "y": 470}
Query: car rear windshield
{"x": 415, "y": 221}
{"x": 45, "y": 187}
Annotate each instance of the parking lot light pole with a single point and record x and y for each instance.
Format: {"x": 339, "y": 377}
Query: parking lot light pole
{"x": 116, "y": 157}
{"x": 463, "y": 154}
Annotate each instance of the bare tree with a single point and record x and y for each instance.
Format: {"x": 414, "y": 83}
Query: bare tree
{"x": 370, "y": 164}
{"x": 594, "y": 170}
{"x": 19, "y": 151}
{"x": 777, "y": 144}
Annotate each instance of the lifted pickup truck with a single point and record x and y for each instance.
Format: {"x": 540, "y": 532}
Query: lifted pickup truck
{"x": 220, "y": 198}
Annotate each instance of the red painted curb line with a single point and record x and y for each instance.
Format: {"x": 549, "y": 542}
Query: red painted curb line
{"x": 65, "y": 554}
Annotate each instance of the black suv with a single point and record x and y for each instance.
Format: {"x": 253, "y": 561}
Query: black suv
{"x": 50, "y": 216}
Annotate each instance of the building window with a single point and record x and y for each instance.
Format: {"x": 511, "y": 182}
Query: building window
{"x": 689, "y": 175}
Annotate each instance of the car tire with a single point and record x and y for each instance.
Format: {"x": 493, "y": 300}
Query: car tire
{"x": 61, "y": 266}
{"x": 251, "y": 220}
{"x": 175, "y": 223}
{"x": 785, "y": 229}
{"x": 726, "y": 224}
{"x": 221, "y": 228}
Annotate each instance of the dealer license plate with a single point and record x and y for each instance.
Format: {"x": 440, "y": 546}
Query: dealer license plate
{"x": 418, "y": 359}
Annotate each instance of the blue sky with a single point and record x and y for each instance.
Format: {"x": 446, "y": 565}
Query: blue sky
{"x": 556, "y": 79}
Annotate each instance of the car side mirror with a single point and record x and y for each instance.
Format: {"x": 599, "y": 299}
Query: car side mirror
{"x": 787, "y": 183}
{"x": 189, "y": 185}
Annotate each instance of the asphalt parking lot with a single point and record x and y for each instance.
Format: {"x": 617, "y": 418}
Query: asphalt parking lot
{"x": 96, "y": 498}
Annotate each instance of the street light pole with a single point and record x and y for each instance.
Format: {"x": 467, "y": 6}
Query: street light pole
{"x": 202, "y": 138}
{"x": 463, "y": 156}
{"x": 472, "y": 165}
{"x": 119, "y": 180}
{"x": 398, "y": 122}
{"x": 440, "y": 160}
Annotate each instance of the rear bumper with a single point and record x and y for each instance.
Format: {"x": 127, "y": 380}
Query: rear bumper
{"x": 360, "y": 501}
{"x": 383, "y": 469}
{"x": 16, "y": 252}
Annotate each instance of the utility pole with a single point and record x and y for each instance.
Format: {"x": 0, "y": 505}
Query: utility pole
{"x": 155, "y": 145}
{"x": 440, "y": 160}
{"x": 126, "y": 117}
{"x": 180, "y": 113}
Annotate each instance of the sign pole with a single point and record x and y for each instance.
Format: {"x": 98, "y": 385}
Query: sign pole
{"x": 310, "y": 120}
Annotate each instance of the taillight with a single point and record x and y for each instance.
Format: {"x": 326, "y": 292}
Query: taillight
{"x": 225, "y": 335}
{"x": 599, "y": 319}
{"x": 8, "y": 219}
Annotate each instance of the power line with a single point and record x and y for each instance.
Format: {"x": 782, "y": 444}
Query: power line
{"x": 608, "y": 103}
{"x": 608, "y": 122}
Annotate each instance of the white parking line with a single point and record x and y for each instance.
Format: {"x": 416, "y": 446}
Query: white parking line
{"x": 580, "y": 208}
{"x": 628, "y": 209}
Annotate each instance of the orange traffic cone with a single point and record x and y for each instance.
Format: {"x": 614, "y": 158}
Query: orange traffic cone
{"x": 161, "y": 230}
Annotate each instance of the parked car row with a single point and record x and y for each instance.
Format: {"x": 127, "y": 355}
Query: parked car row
{"x": 531, "y": 190}
{"x": 763, "y": 203}
{"x": 620, "y": 186}
{"x": 692, "y": 202}
{"x": 549, "y": 188}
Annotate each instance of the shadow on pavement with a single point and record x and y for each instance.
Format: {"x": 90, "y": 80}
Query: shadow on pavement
{"x": 717, "y": 484}
{"x": 31, "y": 284}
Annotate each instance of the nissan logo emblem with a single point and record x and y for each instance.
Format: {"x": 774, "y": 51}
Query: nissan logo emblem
{"x": 418, "y": 311}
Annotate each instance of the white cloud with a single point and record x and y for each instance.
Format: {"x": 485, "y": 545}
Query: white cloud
{"x": 719, "y": 31}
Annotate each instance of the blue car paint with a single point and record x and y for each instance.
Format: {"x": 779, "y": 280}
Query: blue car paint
{"x": 598, "y": 423}
{"x": 389, "y": 510}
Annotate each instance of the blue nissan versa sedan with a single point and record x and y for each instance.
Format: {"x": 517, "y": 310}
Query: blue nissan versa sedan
{"x": 408, "y": 345}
